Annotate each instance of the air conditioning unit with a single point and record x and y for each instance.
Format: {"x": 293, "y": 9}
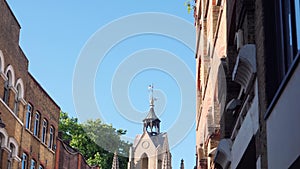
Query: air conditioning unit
{"x": 239, "y": 39}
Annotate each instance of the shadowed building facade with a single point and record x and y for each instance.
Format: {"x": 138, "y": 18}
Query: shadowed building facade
{"x": 247, "y": 71}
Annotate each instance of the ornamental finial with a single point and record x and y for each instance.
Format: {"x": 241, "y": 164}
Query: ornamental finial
{"x": 152, "y": 99}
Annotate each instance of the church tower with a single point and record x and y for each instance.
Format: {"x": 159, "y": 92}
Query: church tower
{"x": 150, "y": 149}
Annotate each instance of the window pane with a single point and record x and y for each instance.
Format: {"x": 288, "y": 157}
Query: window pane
{"x": 51, "y": 137}
{"x": 36, "y": 124}
{"x": 28, "y": 116}
{"x": 32, "y": 164}
{"x": 24, "y": 161}
{"x": 297, "y": 18}
{"x": 44, "y": 131}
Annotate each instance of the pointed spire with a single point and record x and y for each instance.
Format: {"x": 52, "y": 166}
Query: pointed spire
{"x": 115, "y": 163}
{"x": 182, "y": 164}
{"x": 151, "y": 121}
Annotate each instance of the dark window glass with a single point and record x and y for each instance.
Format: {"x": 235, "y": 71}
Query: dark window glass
{"x": 36, "y": 124}
{"x": 44, "y": 131}
{"x": 28, "y": 116}
{"x": 297, "y": 19}
{"x": 51, "y": 137}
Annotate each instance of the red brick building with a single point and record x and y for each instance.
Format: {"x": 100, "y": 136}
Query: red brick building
{"x": 30, "y": 114}
{"x": 248, "y": 78}
{"x": 68, "y": 157}
{"x": 210, "y": 22}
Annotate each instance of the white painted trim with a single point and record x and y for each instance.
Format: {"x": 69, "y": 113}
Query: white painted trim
{"x": 6, "y": 149}
{"x": 17, "y": 118}
{"x": 15, "y": 143}
{"x": 4, "y": 133}
{"x": 17, "y": 158}
{"x": 20, "y": 82}
{"x": 13, "y": 89}
{"x": 1, "y": 61}
{"x": 23, "y": 101}
{"x": 3, "y": 76}
{"x": 10, "y": 68}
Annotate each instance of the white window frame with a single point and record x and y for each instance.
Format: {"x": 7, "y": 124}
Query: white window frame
{"x": 28, "y": 116}
{"x": 24, "y": 161}
{"x": 51, "y": 137}
{"x": 44, "y": 131}
{"x": 36, "y": 124}
{"x": 32, "y": 164}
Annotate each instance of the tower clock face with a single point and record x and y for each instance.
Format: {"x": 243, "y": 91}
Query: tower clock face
{"x": 145, "y": 144}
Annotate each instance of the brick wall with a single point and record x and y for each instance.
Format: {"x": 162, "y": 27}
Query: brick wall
{"x": 70, "y": 158}
{"x": 48, "y": 110}
{"x": 15, "y": 61}
{"x": 211, "y": 49}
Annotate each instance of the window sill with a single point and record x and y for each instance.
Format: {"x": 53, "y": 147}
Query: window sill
{"x": 36, "y": 137}
{"x": 52, "y": 151}
{"x": 28, "y": 130}
{"x": 47, "y": 147}
{"x": 44, "y": 144}
{"x": 13, "y": 114}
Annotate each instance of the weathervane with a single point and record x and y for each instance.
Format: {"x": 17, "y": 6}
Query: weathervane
{"x": 152, "y": 99}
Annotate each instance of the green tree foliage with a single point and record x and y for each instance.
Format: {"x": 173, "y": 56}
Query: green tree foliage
{"x": 189, "y": 5}
{"x": 96, "y": 141}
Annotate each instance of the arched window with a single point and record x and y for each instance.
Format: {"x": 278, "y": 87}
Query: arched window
{"x": 24, "y": 161}
{"x": 145, "y": 160}
{"x": 16, "y": 101}
{"x": 41, "y": 167}
{"x": 19, "y": 95}
{"x": 51, "y": 137}
{"x": 3, "y": 143}
{"x": 44, "y": 130}
{"x": 10, "y": 81}
{"x": 10, "y": 155}
{"x": 6, "y": 86}
{"x": 33, "y": 163}
{"x": 159, "y": 164}
{"x": 28, "y": 116}
{"x": 36, "y": 124}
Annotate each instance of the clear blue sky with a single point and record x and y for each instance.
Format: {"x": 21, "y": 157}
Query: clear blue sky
{"x": 54, "y": 33}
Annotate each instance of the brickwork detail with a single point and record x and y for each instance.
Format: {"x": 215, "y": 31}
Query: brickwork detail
{"x": 216, "y": 63}
{"x": 22, "y": 88}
